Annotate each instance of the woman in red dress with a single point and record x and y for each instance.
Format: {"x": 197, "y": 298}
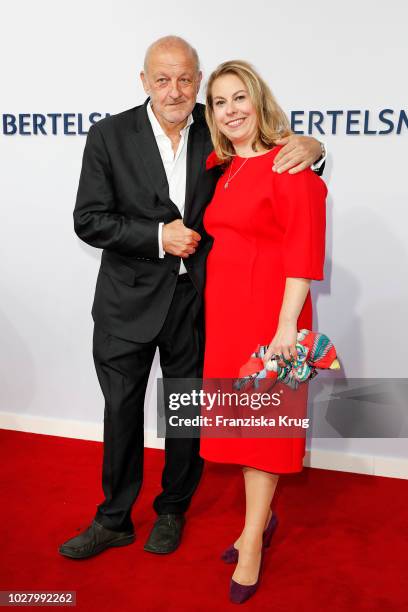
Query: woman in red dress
{"x": 269, "y": 243}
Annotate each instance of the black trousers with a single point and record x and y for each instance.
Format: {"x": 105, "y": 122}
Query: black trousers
{"x": 123, "y": 369}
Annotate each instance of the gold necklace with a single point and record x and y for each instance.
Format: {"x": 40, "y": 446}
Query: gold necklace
{"x": 229, "y": 179}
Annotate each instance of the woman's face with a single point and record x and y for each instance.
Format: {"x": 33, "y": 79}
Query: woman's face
{"x": 234, "y": 112}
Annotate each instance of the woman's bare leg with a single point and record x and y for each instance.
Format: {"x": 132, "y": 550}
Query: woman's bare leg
{"x": 259, "y": 490}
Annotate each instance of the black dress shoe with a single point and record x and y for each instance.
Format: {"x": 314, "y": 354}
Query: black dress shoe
{"x": 94, "y": 540}
{"x": 165, "y": 536}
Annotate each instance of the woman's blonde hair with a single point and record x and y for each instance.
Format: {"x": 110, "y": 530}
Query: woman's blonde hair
{"x": 272, "y": 121}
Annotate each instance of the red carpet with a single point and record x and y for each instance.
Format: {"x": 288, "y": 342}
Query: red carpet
{"x": 342, "y": 542}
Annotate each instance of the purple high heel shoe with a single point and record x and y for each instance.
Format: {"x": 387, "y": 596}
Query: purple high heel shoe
{"x": 230, "y": 554}
{"x": 241, "y": 592}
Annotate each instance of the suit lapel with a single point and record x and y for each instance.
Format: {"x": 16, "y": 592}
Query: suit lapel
{"x": 149, "y": 155}
{"x": 195, "y": 154}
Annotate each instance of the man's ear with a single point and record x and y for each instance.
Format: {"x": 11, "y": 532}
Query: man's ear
{"x": 199, "y": 77}
{"x": 145, "y": 82}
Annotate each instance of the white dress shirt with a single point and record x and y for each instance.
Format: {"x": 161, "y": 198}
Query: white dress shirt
{"x": 175, "y": 166}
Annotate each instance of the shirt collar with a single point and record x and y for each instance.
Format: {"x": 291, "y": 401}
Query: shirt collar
{"x": 157, "y": 128}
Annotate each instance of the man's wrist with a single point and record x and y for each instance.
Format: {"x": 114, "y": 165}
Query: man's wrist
{"x": 323, "y": 150}
{"x": 317, "y": 164}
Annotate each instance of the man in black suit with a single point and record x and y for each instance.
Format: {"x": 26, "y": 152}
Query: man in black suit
{"x": 141, "y": 197}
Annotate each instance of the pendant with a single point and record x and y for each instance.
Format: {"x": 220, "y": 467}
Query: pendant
{"x": 226, "y": 185}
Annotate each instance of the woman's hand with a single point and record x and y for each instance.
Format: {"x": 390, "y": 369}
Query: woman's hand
{"x": 284, "y": 342}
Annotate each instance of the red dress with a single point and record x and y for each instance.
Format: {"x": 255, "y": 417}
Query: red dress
{"x": 266, "y": 227}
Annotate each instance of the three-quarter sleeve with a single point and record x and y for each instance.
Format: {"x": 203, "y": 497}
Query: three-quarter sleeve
{"x": 300, "y": 207}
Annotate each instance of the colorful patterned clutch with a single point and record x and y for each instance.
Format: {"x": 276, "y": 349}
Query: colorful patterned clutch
{"x": 315, "y": 351}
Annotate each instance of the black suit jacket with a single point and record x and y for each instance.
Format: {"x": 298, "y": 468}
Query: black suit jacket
{"x": 122, "y": 197}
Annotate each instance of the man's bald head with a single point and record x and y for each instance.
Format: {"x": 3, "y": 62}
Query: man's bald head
{"x": 171, "y": 77}
{"x": 171, "y": 43}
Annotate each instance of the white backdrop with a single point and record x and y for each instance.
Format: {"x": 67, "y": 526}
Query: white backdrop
{"x": 81, "y": 57}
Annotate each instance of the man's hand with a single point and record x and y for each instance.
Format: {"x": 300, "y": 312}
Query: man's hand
{"x": 178, "y": 240}
{"x": 299, "y": 153}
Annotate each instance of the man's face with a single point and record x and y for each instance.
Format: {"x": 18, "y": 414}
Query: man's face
{"x": 172, "y": 82}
